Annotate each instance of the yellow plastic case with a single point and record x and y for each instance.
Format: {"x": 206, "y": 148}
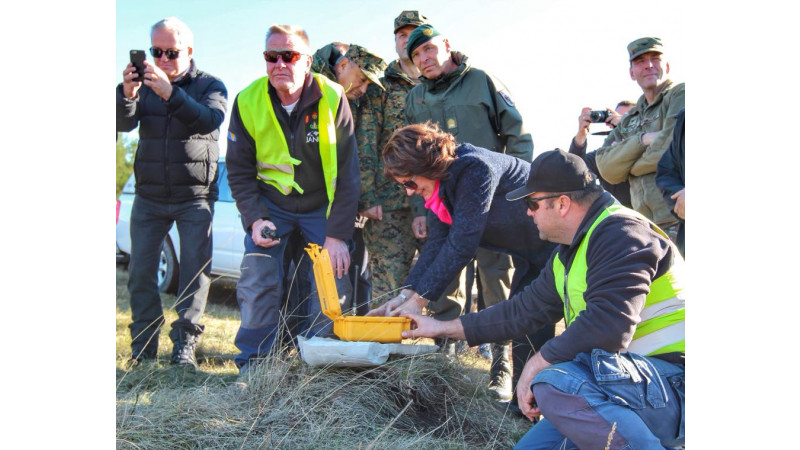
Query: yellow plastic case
{"x": 350, "y": 328}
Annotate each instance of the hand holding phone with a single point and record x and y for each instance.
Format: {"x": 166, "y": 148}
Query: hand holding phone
{"x": 137, "y": 59}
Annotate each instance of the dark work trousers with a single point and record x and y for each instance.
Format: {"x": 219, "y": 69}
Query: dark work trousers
{"x": 150, "y": 222}
{"x": 260, "y": 291}
{"x": 296, "y": 287}
{"x": 523, "y": 347}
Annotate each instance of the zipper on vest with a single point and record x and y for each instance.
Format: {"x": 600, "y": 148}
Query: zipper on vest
{"x": 567, "y": 309}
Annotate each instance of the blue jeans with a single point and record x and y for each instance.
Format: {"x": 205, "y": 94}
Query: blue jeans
{"x": 150, "y": 222}
{"x": 260, "y": 287}
{"x": 623, "y": 400}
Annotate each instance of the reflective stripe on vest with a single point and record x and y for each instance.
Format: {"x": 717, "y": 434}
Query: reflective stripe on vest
{"x": 274, "y": 163}
{"x": 661, "y": 329}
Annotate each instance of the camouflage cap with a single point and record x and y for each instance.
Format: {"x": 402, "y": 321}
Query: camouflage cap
{"x": 372, "y": 65}
{"x": 644, "y": 45}
{"x": 419, "y": 36}
{"x": 409, "y": 18}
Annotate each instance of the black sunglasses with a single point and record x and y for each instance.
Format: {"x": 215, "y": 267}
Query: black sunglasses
{"x": 410, "y": 183}
{"x": 172, "y": 53}
{"x": 533, "y": 202}
{"x": 287, "y": 56}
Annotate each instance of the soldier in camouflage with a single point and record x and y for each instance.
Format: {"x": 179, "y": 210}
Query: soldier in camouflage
{"x": 397, "y": 223}
{"x": 359, "y": 72}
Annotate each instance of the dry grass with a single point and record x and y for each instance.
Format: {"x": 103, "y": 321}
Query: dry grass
{"x": 430, "y": 402}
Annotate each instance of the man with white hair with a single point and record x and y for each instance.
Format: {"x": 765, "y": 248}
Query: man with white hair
{"x": 292, "y": 164}
{"x": 178, "y": 110}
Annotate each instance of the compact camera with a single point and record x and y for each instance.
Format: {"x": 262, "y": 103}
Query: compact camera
{"x": 598, "y": 116}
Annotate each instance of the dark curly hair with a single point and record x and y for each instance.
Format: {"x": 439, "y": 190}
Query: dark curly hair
{"x": 419, "y": 149}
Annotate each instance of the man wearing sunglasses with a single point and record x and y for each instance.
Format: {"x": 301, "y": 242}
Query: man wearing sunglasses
{"x": 615, "y": 377}
{"x": 292, "y": 165}
{"x": 178, "y": 110}
{"x": 477, "y": 109}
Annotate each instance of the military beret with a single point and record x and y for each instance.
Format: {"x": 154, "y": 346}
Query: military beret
{"x": 644, "y": 45}
{"x": 372, "y": 65}
{"x": 409, "y": 18}
{"x": 419, "y": 36}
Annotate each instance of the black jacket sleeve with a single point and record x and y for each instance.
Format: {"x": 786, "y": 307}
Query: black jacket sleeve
{"x": 623, "y": 257}
{"x": 127, "y": 117}
{"x": 348, "y": 179}
{"x": 242, "y": 172}
{"x": 200, "y": 116}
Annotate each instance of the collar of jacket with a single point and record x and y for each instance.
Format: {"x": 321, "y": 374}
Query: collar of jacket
{"x": 565, "y": 252}
{"x": 324, "y": 59}
{"x": 394, "y": 72}
{"x": 660, "y": 92}
{"x": 190, "y": 73}
{"x": 443, "y": 82}
{"x": 309, "y": 96}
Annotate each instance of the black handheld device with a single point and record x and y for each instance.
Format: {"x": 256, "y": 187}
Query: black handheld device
{"x": 268, "y": 233}
{"x": 598, "y": 116}
{"x": 137, "y": 59}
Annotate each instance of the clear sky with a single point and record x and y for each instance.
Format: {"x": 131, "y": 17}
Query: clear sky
{"x": 555, "y": 57}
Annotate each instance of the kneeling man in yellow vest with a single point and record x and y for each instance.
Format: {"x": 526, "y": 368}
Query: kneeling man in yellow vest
{"x": 615, "y": 377}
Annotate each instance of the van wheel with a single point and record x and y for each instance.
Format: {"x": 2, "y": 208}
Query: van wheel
{"x": 167, "y": 268}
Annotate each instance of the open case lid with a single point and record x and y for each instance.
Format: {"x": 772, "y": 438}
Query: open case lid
{"x": 326, "y": 285}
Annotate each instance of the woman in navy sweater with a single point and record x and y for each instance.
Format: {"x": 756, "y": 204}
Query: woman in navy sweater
{"x": 464, "y": 187}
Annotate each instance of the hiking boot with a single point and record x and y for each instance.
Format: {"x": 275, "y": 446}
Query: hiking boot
{"x": 500, "y": 373}
{"x": 183, "y": 349}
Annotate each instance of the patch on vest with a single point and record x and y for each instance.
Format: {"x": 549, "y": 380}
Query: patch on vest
{"x": 312, "y": 136}
{"x": 506, "y": 98}
{"x": 231, "y": 137}
{"x": 451, "y": 123}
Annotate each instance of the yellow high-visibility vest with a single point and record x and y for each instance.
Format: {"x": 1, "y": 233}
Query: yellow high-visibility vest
{"x": 275, "y": 164}
{"x": 662, "y": 329}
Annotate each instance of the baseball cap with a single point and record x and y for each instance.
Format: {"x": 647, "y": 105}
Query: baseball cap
{"x": 553, "y": 171}
{"x": 409, "y": 18}
{"x": 643, "y": 45}
{"x": 369, "y": 63}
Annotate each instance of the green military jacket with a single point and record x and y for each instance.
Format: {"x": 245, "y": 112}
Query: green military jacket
{"x": 623, "y": 156}
{"x": 474, "y": 107}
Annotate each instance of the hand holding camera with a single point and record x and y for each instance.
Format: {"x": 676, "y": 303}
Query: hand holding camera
{"x": 600, "y": 116}
{"x": 269, "y": 233}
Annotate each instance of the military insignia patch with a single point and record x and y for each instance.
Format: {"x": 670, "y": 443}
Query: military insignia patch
{"x": 451, "y": 123}
{"x": 506, "y": 98}
{"x": 231, "y": 137}
{"x": 410, "y": 15}
{"x": 427, "y": 32}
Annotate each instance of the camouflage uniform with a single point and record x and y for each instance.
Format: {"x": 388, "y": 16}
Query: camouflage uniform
{"x": 390, "y": 241}
{"x": 386, "y": 240}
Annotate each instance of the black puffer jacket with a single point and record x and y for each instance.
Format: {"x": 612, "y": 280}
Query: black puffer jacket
{"x": 176, "y": 160}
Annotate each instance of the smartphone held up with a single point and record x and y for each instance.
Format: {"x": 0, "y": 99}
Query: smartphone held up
{"x": 137, "y": 59}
